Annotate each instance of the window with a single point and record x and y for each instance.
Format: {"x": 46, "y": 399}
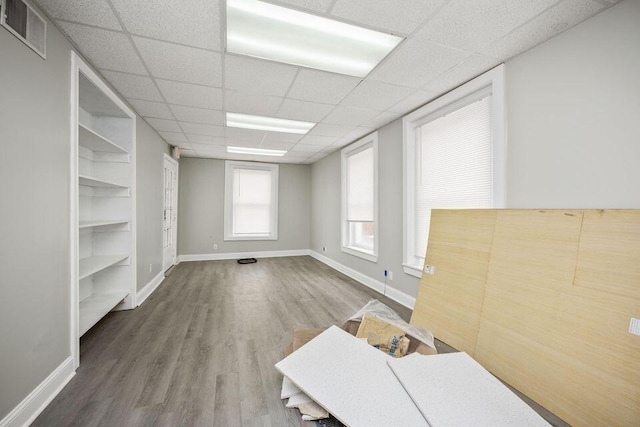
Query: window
{"x": 251, "y": 201}
{"x": 454, "y": 158}
{"x": 360, "y": 198}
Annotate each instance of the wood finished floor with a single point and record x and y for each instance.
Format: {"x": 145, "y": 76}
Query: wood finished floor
{"x": 200, "y": 351}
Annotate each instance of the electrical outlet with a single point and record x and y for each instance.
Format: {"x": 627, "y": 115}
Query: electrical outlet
{"x": 324, "y": 249}
{"x": 150, "y": 267}
{"x": 634, "y": 326}
{"x": 430, "y": 269}
{"x": 390, "y": 275}
{"x": 215, "y": 246}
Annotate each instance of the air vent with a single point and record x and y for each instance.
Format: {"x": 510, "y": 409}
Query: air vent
{"x": 22, "y": 20}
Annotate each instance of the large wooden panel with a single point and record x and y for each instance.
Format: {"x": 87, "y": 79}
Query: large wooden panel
{"x": 459, "y": 247}
{"x": 560, "y": 290}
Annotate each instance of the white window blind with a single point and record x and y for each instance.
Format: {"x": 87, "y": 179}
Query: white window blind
{"x": 454, "y": 167}
{"x": 251, "y": 202}
{"x": 360, "y": 186}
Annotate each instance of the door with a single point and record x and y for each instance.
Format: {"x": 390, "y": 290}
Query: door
{"x": 170, "y": 213}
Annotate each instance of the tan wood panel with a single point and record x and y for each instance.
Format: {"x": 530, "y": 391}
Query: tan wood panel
{"x": 459, "y": 247}
{"x": 609, "y": 248}
{"x": 561, "y": 289}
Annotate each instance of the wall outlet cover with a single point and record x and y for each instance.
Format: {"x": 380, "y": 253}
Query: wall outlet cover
{"x": 634, "y": 326}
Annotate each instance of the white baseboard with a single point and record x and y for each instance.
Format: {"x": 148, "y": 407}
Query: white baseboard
{"x": 148, "y": 289}
{"x": 32, "y": 405}
{"x": 376, "y": 285}
{"x": 236, "y": 255}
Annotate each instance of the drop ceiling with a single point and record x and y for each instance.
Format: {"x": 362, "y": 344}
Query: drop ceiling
{"x": 168, "y": 60}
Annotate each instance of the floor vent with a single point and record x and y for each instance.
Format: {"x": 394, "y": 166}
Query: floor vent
{"x": 22, "y": 20}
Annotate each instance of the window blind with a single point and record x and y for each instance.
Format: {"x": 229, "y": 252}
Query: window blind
{"x": 454, "y": 168}
{"x": 251, "y": 201}
{"x": 360, "y": 186}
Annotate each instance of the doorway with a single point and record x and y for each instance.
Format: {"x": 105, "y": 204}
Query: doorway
{"x": 170, "y": 213}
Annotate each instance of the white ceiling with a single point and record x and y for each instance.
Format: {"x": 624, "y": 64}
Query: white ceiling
{"x": 167, "y": 58}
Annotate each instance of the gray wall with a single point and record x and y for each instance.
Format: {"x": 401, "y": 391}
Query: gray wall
{"x": 201, "y": 210}
{"x": 34, "y": 253}
{"x": 573, "y": 109}
{"x": 150, "y": 187}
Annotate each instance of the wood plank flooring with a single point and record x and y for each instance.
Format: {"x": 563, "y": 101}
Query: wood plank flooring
{"x": 200, "y": 351}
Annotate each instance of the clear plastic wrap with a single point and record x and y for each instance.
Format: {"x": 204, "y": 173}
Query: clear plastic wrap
{"x": 381, "y": 311}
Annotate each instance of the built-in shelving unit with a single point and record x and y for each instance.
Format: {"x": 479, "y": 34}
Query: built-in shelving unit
{"x": 103, "y": 211}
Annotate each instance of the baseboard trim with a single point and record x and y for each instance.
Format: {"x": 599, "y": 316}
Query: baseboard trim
{"x": 396, "y": 295}
{"x": 148, "y": 289}
{"x": 32, "y": 405}
{"x": 236, "y": 255}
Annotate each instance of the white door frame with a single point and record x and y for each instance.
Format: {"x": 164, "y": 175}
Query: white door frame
{"x": 174, "y": 210}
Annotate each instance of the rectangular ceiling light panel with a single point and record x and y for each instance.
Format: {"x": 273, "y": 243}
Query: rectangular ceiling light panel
{"x": 267, "y": 31}
{"x": 256, "y": 151}
{"x": 272, "y": 124}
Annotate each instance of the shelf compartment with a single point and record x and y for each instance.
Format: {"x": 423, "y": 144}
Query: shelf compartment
{"x": 90, "y": 181}
{"x": 95, "y": 307}
{"x": 93, "y": 141}
{"x": 100, "y": 223}
{"x": 92, "y": 265}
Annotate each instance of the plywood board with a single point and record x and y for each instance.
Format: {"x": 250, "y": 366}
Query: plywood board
{"x": 459, "y": 247}
{"x": 560, "y": 291}
{"x": 351, "y": 380}
{"x": 454, "y": 390}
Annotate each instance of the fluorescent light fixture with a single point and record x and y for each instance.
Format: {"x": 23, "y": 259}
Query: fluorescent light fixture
{"x": 267, "y": 31}
{"x": 247, "y": 121}
{"x": 256, "y": 151}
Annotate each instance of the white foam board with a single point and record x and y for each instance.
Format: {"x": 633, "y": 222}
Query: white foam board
{"x": 351, "y": 380}
{"x": 288, "y": 389}
{"x": 298, "y": 399}
{"x": 455, "y": 390}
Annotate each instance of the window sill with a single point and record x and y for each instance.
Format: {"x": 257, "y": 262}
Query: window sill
{"x": 360, "y": 253}
{"x": 412, "y": 270}
{"x": 231, "y": 238}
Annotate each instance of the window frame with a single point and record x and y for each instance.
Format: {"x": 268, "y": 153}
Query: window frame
{"x": 491, "y": 82}
{"x": 230, "y": 166}
{"x": 362, "y": 144}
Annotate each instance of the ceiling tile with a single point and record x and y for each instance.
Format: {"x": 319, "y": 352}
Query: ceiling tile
{"x": 548, "y": 24}
{"x": 210, "y": 147}
{"x": 193, "y": 22}
{"x": 381, "y": 120}
{"x": 201, "y": 129}
{"x": 158, "y": 110}
{"x": 317, "y": 5}
{"x": 375, "y": 95}
{"x": 416, "y": 99}
{"x": 173, "y": 137}
{"x": 188, "y": 153}
{"x": 132, "y": 86}
{"x": 197, "y": 115}
{"x": 242, "y": 143}
{"x": 398, "y": 16}
{"x": 359, "y": 132}
{"x": 104, "y": 48}
{"x": 350, "y": 116}
{"x": 205, "y": 139}
{"x": 324, "y": 129}
{"x": 244, "y": 134}
{"x": 320, "y": 86}
{"x": 256, "y": 76}
{"x": 461, "y": 73}
{"x": 342, "y": 142}
{"x": 322, "y": 141}
{"x": 303, "y": 110}
{"x": 416, "y": 62}
{"x": 175, "y": 62}
{"x": 297, "y": 155}
{"x": 236, "y": 102}
{"x": 308, "y": 148}
{"x": 286, "y": 146}
{"x": 282, "y": 137}
{"x": 92, "y": 12}
{"x": 164, "y": 125}
{"x": 191, "y": 95}
{"x": 472, "y": 26}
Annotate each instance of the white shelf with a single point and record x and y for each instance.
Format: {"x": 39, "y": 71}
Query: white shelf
{"x": 92, "y": 265}
{"x": 95, "y": 142}
{"x": 95, "y": 307}
{"x": 90, "y": 181}
{"x": 99, "y": 223}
